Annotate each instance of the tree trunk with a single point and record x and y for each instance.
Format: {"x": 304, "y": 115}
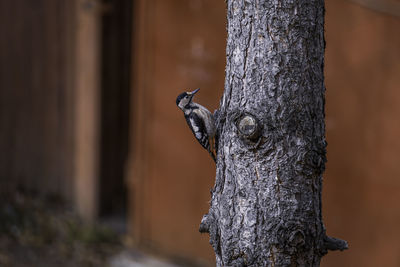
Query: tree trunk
{"x": 266, "y": 203}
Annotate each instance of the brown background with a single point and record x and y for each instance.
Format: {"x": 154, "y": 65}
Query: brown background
{"x": 35, "y": 95}
{"x": 73, "y": 124}
{"x": 362, "y": 181}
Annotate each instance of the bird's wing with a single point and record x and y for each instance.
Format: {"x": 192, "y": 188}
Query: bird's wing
{"x": 197, "y": 126}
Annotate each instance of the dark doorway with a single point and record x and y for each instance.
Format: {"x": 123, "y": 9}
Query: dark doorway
{"x": 116, "y": 73}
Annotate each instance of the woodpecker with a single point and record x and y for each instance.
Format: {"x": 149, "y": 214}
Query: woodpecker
{"x": 199, "y": 119}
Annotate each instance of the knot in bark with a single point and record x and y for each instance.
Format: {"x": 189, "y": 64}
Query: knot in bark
{"x": 247, "y": 125}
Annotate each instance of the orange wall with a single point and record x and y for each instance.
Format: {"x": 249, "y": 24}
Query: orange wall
{"x": 361, "y": 184}
{"x": 179, "y": 46}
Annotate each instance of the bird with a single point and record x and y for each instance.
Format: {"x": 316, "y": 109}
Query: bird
{"x": 199, "y": 119}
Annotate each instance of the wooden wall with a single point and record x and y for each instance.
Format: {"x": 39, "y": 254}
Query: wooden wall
{"x": 87, "y": 108}
{"x": 180, "y": 46}
{"x": 361, "y": 185}
{"x": 49, "y": 99}
{"x": 36, "y": 95}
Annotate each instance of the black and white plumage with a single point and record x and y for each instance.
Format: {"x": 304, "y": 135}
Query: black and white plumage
{"x": 199, "y": 119}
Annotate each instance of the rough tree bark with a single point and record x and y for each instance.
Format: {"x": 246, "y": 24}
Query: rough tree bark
{"x": 266, "y": 203}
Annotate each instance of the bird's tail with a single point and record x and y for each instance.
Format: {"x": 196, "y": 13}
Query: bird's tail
{"x": 213, "y": 156}
{"x": 211, "y": 150}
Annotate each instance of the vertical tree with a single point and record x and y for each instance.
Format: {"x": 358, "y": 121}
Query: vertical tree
{"x": 266, "y": 203}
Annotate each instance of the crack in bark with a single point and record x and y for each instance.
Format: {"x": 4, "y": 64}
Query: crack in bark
{"x": 257, "y": 173}
{"x": 246, "y": 52}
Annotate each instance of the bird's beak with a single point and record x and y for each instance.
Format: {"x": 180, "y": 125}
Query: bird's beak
{"x": 195, "y": 91}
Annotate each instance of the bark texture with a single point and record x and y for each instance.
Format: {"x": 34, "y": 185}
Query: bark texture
{"x": 266, "y": 203}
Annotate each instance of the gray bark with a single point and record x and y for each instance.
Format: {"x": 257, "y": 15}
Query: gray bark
{"x": 271, "y": 151}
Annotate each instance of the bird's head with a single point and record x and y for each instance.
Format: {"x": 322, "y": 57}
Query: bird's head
{"x": 184, "y": 99}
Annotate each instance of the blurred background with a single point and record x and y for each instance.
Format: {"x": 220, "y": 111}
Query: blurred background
{"x": 89, "y": 130}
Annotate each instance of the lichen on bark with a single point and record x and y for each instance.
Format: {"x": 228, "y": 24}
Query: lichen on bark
{"x": 266, "y": 203}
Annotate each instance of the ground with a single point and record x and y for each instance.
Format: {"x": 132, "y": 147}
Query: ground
{"x": 42, "y": 231}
